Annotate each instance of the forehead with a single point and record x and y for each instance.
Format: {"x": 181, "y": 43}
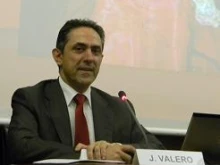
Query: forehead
{"x": 84, "y": 35}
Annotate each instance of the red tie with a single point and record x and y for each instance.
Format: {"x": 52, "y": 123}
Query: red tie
{"x": 81, "y": 128}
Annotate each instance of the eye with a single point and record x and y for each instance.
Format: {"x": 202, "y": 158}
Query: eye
{"x": 96, "y": 51}
{"x": 79, "y": 49}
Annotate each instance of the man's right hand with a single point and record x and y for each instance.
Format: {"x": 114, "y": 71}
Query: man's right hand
{"x": 80, "y": 146}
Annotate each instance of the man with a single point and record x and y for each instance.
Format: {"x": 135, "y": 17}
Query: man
{"x": 45, "y": 118}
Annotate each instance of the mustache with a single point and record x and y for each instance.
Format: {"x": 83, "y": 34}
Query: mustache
{"x": 86, "y": 68}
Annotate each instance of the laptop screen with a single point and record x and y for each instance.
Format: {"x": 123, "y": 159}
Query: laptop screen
{"x": 203, "y": 134}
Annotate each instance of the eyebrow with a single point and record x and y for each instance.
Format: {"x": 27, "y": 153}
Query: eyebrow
{"x": 84, "y": 44}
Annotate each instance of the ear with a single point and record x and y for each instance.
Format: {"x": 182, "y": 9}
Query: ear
{"x": 102, "y": 57}
{"x": 57, "y": 56}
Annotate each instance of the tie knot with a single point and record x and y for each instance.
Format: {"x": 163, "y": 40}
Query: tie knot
{"x": 79, "y": 99}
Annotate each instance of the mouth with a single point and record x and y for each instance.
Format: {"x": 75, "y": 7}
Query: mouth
{"x": 86, "y": 72}
{"x": 89, "y": 69}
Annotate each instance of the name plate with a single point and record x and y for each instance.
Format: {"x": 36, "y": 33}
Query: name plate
{"x": 167, "y": 157}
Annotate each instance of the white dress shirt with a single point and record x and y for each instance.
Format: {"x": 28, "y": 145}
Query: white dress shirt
{"x": 69, "y": 94}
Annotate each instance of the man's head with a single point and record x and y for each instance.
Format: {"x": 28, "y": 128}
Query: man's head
{"x": 73, "y": 24}
{"x": 78, "y": 52}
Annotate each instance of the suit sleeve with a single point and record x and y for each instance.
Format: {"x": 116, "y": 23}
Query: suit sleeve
{"x": 139, "y": 142}
{"x": 138, "y": 139}
{"x": 25, "y": 144}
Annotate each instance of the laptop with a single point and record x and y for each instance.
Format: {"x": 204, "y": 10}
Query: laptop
{"x": 203, "y": 134}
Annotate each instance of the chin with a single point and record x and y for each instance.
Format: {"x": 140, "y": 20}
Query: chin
{"x": 86, "y": 81}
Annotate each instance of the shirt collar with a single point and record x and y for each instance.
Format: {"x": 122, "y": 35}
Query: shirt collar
{"x": 70, "y": 93}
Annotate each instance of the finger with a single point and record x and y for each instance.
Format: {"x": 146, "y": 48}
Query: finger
{"x": 128, "y": 149}
{"x": 125, "y": 157}
{"x": 113, "y": 152}
{"x": 103, "y": 148}
{"x": 99, "y": 150}
{"x": 96, "y": 152}
{"x": 80, "y": 146}
{"x": 90, "y": 151}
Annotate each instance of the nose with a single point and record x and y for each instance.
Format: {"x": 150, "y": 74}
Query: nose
{"x": 89, "y": 56}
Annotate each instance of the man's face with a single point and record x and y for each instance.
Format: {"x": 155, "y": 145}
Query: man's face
{"x": 81, "y": 58}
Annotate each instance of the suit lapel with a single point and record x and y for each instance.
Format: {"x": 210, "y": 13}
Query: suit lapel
{"x": 102, "y": 117}
{"x": 59, "y": 112}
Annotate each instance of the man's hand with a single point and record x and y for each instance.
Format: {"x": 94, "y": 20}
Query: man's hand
{"x": 120, "y": 152}
{"x": 97, "y": 150}
{"x": 102, "y": 150}
{"x": 80, "y": 146}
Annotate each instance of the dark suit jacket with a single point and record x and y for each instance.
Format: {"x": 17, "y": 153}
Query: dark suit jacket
{"x": 40, "y": 124}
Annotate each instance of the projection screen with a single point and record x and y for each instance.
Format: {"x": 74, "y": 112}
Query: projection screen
{"x": 165, "y": 54}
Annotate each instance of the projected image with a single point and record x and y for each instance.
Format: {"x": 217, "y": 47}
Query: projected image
{"x": 204, "y": 35}
{"x": 172, "y": 35}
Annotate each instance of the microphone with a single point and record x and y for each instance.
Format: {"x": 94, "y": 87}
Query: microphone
{"x": 124, "y": 98}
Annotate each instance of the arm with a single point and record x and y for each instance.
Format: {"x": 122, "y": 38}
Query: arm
{"x": 139, "y": 141}
{"x": 126, "y": 132}
{"x": 138, "y": 137}
{"x": 25, "y": 143}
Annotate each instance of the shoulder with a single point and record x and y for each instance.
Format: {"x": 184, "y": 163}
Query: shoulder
{"x": 104, "y": 94}
{"x": 35, "y": 89}
{"x": 112, "y": 101}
